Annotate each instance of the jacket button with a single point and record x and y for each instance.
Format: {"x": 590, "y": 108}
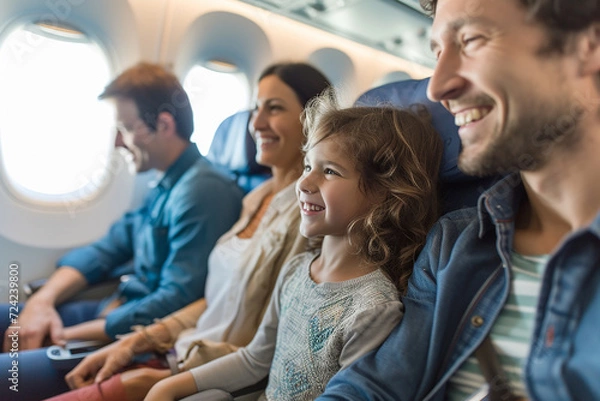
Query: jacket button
{"x": 477, "y": 321}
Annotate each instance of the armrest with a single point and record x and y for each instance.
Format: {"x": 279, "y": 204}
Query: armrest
{"x": 31, "y": 287}
{"x": 67, "y": 357}
{"x": 245, "y": 394}
{"x": 259, "y": 386}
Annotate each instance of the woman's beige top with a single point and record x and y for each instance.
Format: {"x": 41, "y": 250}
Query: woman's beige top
{"x": 243, "y": 272}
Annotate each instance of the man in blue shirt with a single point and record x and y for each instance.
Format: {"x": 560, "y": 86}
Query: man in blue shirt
{"x": 507, "y": 294}
{"x": 167, "y": 240}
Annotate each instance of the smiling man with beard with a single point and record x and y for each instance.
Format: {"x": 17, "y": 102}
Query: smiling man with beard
{"x": 504, "y": 301}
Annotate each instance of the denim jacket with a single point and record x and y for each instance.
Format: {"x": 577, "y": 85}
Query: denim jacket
{"x": 167, "y": 241}
{"x": 459, "y": 286}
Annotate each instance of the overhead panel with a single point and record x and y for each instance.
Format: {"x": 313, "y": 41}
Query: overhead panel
{"x": 399, "y": 27}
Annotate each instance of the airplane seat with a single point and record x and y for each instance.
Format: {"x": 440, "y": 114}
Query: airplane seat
{"x": 458, "y": 190}
{"x": 250, "y": 393}
{"x": 233, "y": 152}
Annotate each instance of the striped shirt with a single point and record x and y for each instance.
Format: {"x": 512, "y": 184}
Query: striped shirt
{"x": 511, "y": 333}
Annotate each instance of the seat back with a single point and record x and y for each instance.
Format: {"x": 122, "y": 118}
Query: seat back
{"x": 458, "y": 190}
{"x": 233, "y": 152}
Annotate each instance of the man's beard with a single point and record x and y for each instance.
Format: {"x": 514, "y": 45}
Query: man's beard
{"x": 526, "y": 144}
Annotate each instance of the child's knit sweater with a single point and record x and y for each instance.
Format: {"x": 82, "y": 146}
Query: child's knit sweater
{"x": 309, "y": 332}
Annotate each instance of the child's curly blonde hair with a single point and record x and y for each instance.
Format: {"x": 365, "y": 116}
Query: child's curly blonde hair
{"x": 398, "y": 155}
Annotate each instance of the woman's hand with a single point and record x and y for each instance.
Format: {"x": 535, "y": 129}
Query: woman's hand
{"x": 102, "y": 364}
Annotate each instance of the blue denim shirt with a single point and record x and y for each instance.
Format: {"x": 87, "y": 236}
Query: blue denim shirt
{"x": 459, "y": 285}
{"x": 167, "y": 240}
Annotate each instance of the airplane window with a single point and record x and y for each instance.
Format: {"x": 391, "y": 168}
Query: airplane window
{"x": 55, "y": 136}
{"x": 216, "y": 90}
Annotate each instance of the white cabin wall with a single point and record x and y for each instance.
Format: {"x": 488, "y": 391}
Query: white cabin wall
{"x": 289, "y": 40}
{"x": 150, "y": 19}
{"x": 35, "y": 235}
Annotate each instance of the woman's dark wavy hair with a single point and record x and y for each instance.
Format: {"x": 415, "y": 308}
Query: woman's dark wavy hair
{"x": 305, "y": 80}
{"x": 560, "y": 17}
{"x": 398, "y": 155}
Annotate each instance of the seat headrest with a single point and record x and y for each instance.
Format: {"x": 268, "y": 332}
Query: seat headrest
{"x": 228, "y": 147}
{"x": 458, "y": 190}
{"x": 414, "y": 91}
{"x": 233, "y": 151}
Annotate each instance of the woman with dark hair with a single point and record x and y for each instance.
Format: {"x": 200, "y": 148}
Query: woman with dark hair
{"x": 243, "y": 266}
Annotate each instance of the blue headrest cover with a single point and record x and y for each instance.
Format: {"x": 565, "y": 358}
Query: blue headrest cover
{"x": 228, "y": 147}
{"x": 414, "y": 91}
{"x": 233, "y": 152}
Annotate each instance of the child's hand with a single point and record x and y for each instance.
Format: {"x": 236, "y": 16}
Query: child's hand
{"x": 160, "y": 392}
{"x": 173, "y": 388}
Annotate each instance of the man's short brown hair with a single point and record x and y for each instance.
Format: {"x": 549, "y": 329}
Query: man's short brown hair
{"x": 154, "y": 90}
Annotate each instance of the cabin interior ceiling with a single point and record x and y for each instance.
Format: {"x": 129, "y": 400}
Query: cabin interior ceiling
{"x": 399, "y": 27}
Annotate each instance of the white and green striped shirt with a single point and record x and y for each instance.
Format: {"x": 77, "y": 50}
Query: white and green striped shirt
{"x": 511, "y": 333}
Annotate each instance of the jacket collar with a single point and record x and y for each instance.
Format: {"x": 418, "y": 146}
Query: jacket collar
{"x": 285, "y": 197}
{"x": 281, "y": 201}
{"x": 595, "y": 226}
{"x": 500, "y": 203}
{"x": 189, "y": 156}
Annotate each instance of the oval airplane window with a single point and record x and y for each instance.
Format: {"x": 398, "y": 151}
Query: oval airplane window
{"x": 216, "y": 90}
{"x": 56, "y": 138}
